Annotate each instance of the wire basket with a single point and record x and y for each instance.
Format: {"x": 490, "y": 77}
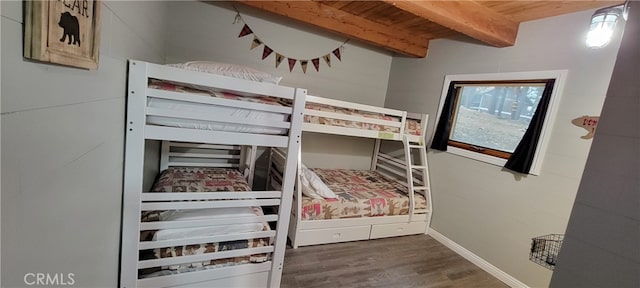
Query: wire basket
{"x": 545, "y": 249}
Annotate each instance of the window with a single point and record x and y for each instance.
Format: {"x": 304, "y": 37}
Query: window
{"x": 490, "y": 117}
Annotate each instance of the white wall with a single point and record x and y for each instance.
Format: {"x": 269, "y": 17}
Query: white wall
{"x": 62, "y": 148}
{"x": 201, "y": 31}
{"x": 491, "y": 212}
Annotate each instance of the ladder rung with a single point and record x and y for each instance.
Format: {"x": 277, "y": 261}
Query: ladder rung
{"x": 418, "y": 167}
{"x": 419, "y": 211}
{"x": 416, "y": 146}
{"x": 420, "y": 188}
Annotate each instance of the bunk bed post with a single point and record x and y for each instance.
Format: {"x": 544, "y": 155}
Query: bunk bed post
{"x": 133, "y": 172}
{"x": 409, "y": 169}
{"x": 298, "y": 201}
{"x": 267, "y": 184}
{"x": 403, "y": 121}
{"x": 164, "y": 155}
{"x": 288, "y": 182}
{"x": 424, "y": 121}
{"x": 374, "y": 160}
{"x": 253, "y": 152}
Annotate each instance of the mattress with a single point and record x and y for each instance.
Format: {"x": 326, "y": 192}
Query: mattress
{"x": 235, "y": 112}
{"x": 196, "y": 179}
{"x": 411, "y": 127}
{"x": 361, "y": 193}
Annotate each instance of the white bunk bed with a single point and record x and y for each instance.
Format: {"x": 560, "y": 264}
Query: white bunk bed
{"x": 320, "y": 221}
{"x": 184, "y": 237}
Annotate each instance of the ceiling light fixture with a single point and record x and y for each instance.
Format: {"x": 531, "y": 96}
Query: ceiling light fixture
{"x": 603, "y": 24}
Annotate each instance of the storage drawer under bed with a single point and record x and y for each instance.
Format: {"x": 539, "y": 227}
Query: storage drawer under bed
{"x": 333, "y": 235}
{"x": 397, "y": 229}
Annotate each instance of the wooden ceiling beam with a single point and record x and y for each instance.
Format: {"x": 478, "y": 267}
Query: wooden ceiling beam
{"x": 348, "y": 25}
{"x": 467, "y": 17}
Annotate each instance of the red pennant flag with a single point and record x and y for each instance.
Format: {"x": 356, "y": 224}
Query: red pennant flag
{"x": 245, "y": 31}
{"x": 337, "y": 53}
{"x": 279, "y": 58}
{"x": 266, "y": 52}
{"x": 316, "y": 63}
{"x": 292, "y": 62}
{"x": 303, "y": 64}
{"x": 327, "y": 59}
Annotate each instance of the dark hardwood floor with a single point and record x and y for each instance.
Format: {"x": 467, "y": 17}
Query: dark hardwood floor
{"x": 410, "y": 261}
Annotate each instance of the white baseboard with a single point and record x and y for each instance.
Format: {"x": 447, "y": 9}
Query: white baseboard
{"x": 475, "y": 259}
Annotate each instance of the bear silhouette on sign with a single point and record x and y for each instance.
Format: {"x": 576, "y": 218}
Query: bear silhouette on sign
{"x": 71, "y": 27}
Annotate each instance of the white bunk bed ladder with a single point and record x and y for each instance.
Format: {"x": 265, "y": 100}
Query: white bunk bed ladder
{"x": 423, "y": 171}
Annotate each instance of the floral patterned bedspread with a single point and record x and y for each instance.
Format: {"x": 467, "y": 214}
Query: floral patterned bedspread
{"x": 411, "y": 127}
{"x": 361, "y": 193}
{"x": 168, "y": 86}
{"x": 198, "y": 179}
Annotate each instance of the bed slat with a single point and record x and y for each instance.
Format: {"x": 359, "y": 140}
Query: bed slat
{"x": 208, "y": 204}
{"x": 203, "y": 155}
{"x": 145, "y": 226}
{"x": 203, "y": 257}
{"x": 167, "y": 196}
{"x": 204, "y": 146}
{"x": 208, "y": 165}
{"x": 194, "y": 135}
{"x": 162, "y": 112}
{"x": 210, "y": 239}
{"x": 204, "y": 275}
{"x": 321, "y": 128}
{"x": 362, "y": 119}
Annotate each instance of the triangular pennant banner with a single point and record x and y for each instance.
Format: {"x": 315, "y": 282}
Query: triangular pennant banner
{"x": 327, "y": 59}
{"x": 292, "y": 62}
{"x": 255, "y": 43}
{"x": 337, "y": 53}
{"x": 245, "y": 31}
{"x": 266, "y": 52}
{"x": 279, "y": 58}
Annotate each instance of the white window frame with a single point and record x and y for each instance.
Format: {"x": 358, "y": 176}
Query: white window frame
{"x": 560, "y": 77}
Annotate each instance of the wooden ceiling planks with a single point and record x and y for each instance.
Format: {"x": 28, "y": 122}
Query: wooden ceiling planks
{"x": 346, "y": 24}
{"x": 406, "y": 26}
{"x": 522, "y": 11}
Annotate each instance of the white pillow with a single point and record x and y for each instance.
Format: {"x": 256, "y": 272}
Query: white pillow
{"x": 230, "y": 70}
{"x": 312, "y": 185}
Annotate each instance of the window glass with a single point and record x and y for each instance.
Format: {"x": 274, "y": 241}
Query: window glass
{"x": 492, "y": 117}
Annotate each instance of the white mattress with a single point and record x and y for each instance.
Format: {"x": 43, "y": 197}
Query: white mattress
{"x": 215, "y": 110}
{"x": 208, "y": 214}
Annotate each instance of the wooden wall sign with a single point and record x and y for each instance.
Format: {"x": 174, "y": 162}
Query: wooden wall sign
{"x": 65, "y": 32}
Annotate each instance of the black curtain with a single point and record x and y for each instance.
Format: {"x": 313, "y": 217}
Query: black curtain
{"x": 522, "y": 158}
{"x": 441, "y": 136}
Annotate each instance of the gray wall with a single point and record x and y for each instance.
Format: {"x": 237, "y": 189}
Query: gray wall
{"x": 63, "y": 128}
{"x": 207, "y": 32}
{"x": 602, "y": 243}
{"x": 488, "y": 211}
{"x": 62, "y": 148}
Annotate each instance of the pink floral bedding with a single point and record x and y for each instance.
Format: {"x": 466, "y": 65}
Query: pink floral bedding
{"x": 360, "y": 193}
{"x": 412, "y": 126}
{"x": 199, "y": 179}
{"x": 168, "y": 86}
